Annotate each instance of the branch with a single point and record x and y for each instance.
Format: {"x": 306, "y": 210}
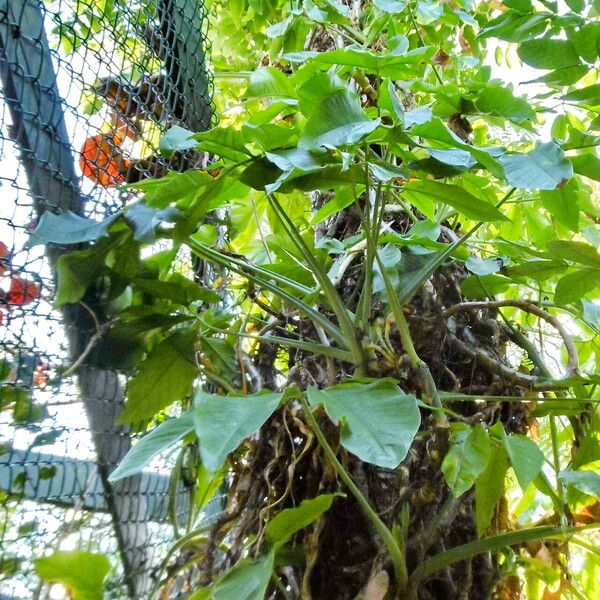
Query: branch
{"x": 523, "y": 380}
{"x": 100, "y": 331}
{"x": 573, "y": 363}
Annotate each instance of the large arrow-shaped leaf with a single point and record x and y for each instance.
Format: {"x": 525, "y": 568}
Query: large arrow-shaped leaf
{"x": 378, "y": 420}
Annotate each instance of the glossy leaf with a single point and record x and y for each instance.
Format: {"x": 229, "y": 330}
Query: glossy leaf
{"x": 466, "y": 460}
{"x": 489, "y": 487}
{"x": 247, "y": 580}
{"x": 545, "y": 53}
{"x": 268, "y": 82}
{"x": 146, "y": 220}
{"x": 525, "y": 458}
{"x": 290, "y": 520}
{"x": 165, "y": 436}
{"x": 378, "y": 421}
{"x": 420, "y": 192}
{"x": 587, "y": 482}
{"x": 81, "y": 573}
{"x": 390, "y": 6}
{"x": 177, "y": 139}
{"x": 544, "y": 168}
{"x": 337, "y": 121}
{"x": 164, "y": 377}
{"x": 223, "y": 422}
{"x": 69, "y": 228}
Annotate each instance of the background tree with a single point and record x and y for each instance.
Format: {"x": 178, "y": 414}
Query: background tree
{"x": 401, "y": 328}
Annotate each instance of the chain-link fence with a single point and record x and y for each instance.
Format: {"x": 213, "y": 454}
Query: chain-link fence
{"x": 88, "y": 87}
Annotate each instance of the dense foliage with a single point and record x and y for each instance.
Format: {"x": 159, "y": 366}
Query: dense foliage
{"x": 388, "y": 349}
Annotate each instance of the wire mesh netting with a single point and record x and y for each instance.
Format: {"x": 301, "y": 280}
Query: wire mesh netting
{"x": 88, "y": 87}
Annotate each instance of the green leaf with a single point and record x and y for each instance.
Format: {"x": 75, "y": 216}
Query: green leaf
{"x": 177, "y": 139}
{"x": 495, "y": 543}
{"x": 457, "y": 197}
{"x": 576, "y": 5}
{"x": 589, "y": 95}
{"x": 540, "y": 270}
{"x": 179, "y": 289}
{"x": 182, "y": 187}
{"x": 165, "y": 436}
{"x": 525, "y": 458}
{"x": 223, "y": 422}
{"x": 202, "y": 594}
{"x": 394, "y": 63}
{"x": 286, "y": 523}
{"x": 69, "y": 228}
{"x": 247, "y": 580}
{"x": 164, "y": 377}
{"x": 587, "y": 165}
{"x": 587, "y": 482}
{"x": 545, "y": 53}
{"x": 466, "y": 460}
{"x": 563, "y": 205}
{"x": 489, "y": 487}
{"x": 269, "y": 136}
{"x": 340, "y": 201}
{"x": 591, "y": 313}
{"x": 455, "y": 157}
{"x": 572, "y": 287}
{"x": 428, "y": 11}
{"x": 544, "y": 168}
{"x": 378, "y": 420}
{"x": 24, "y": 410}
{"x": 11, "y": 565}
{"x": 82, "y": 573}
{"x": 337, "y": 121}
{"x": 227, "y": 142}
{"x": 268, "y": 82}
{"x": 146, "y": 220}
{"x": 515, "y": 27}
{"x": 77, "y": 271}
{"x": 10, "y": 393}
{"x": 280, "y": 28}
{"x": 577, "y": 252}
{"x": 487, "y": 266}
{"x": 585, "y": 39}
{"x": 564, "y": 76}
{"x": 296, "y": 158}
{"x": 206, "y": 234}
{"x": 5, "y": 368}
{"x": 384, "y": 171}
{"x": 207, "y": 485}
{"x": 46, "y": 438}
{"x": 392, "y": 7}
{"x": 418, "y": 116}
{"x": 498, "y": 100}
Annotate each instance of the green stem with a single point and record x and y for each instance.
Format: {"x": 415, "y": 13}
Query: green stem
{"x": 310, "y": 346}
{"x": 421, "y": 366}
{"x": 364, "y": 302}
{"x": 426, "y": 271}
{"x": 242, "y": 268}
{"x": 556, "y": 466}
{"x": 450, "y": 397}
{"x": 398, "y": 559}
{"x": 422, "y": 42}
{"x": 491, "y": 544}
{"x": 335, "y": 301}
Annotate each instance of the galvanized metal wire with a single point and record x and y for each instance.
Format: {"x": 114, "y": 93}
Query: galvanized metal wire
{"x": 88, "y": 87}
